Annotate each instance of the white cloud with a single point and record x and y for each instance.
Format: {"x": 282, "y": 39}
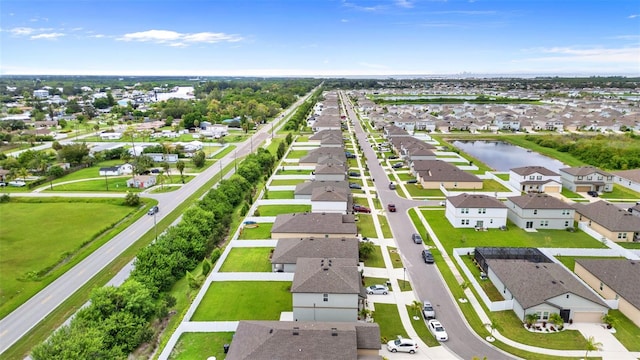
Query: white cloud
{"x": 618, "y": 55}
{"x": 404, "y": 4}
{"x": 48, "y": 36}
{"x": 173, "y": 38}
{"x": 633, "y": 16}
{"x": 97, "y": 36}
{"x": 22, "y": 31}
{"x": 344, "y": 20}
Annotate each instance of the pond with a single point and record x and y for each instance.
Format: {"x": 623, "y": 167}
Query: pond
{"x": 502, "y": 156}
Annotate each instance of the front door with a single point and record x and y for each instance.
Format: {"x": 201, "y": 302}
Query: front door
{"x": 479, "y": 223}
{"x": 564, "y": 314}
{"x": 529, "y": 225}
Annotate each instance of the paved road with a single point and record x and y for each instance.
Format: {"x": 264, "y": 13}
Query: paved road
{"x": 426, "y": 281}
{"x": 28, "y": 315}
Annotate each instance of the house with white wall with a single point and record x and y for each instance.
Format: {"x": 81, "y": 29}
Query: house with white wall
{"x": 331, "y": 199}
{"x": 535, "y": 179}
{"x": 288, "y": 251}
{"x": 586, "y": 178}
{"x": 475, "y": 211}
{"x": 540, "y": 211}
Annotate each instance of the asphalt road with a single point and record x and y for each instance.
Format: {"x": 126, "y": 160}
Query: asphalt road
{"x": 425, "y": 278}
{"x": 15, "y": 325}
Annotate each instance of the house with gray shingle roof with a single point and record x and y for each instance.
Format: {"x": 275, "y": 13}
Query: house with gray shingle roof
{"x": 609, "y": 220}
{"x": 305, "y": 190}
{"x": 628, "y": 178}
{"x": 309, "y": 340}
{"x": 540, "y": 211}
{"x": 312, "y": 157}
{"x": 327, "y": 289}
{"x": 299, "y": 225}
{"x": 544, "y": 289}
{"x": 586, "y": 178}
{"x": 435, "y": 173}
{"x": 331, "y": 199}
{"x": 288, "y": 251}
{"x": 475, "y": 210}
{"x": 330, "y": 172}
{"x": 535, "y": 179}
{"x": 614, "y": 279}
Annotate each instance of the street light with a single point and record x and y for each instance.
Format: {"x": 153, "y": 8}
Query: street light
{"x": 155, "y": 225}
{"x": 404, "y": 276}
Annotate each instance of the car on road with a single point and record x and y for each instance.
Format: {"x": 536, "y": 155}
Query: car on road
{"x": 153, "y": 210}
{"x": 354, "y": 186}
{"x": 427, "y": 256}
{"x": 592, "y": 193}
{"x": 397, "y": 165}
{"x": 437, "y": 330}
{"x": 377, "y": 289}
{"x": 354, "y": 174}
{"x": 392, "y": 157}
{"x": 402, "y": 345}
{"x": 391, "y": 207}
{"x": 427, "y": 310}
{"x": 416, "y": 238}
{"x": 360, "y": 208}
{"x": 392, "y": 186}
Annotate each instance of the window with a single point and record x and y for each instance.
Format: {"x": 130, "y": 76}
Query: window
{"x": 531, "y": 177}
{"x": 538, "y": 177}
{"x": 539, "y": 315}
{"x": 464, "y": 211}
{"x": 589, "y": 177}
{"x": 545, "y": 315}
{"x": 579, "y": 177}
{"x": 601, "y": 286}
{"x": 544, "y": 223}
{"x": 482, "y": 211}
{"x": 622, "y": 235}
{"x": 325, "y": 297}
{"x": 565, "y": 212}
{"x": 566, "y": 224}
{"x": 535, "y": 212}
{"x": 465, "y": 221}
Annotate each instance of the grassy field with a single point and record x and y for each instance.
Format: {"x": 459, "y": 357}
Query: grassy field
{"x": 293, "y": 172}
{"x": 37, "y": 236}
{"x": 201, "y": 345}
{"x": 244, "y": 300}
{"x": 388, "y": 318}
{"x": 280, "y": 195}
{"x": 273, "y": 210}
{"x": 514, "y": 237}
{"x": 263, "y": 231}
{"x": 296, "y": 154}
{"x": 242, "y": 259}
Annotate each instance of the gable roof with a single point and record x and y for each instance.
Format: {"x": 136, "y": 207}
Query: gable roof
{"x": 327, "y": 275}
{"x": 329, "y": 193}
{"x": 621, "y": 275}
{"x": 315, "y": 223}
{"x": 633, "y": 175}
{"x": 475, "y": 201}
{"x": 539, "y": 201}
{"x": 438, "y": 170}
{"x": 329, "y": 168}
{"x": 310, "y": 340}
{"x": 584, "y": 170}
{"x": 289, "y": 250}
{"x": 306, "y": 188}
{"x": 609, "y": 216}
{"x": 532, "y": 283}
{"x": 313, "y": 155}
{"x": 528, "y": 170}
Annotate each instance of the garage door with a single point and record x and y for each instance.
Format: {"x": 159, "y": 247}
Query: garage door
{"x": 583, "y": 188}
{"x": 552, "y": 189}
{"x": 588, "y": 317}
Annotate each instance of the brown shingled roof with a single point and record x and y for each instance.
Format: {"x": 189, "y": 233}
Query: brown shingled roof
{"x": 609, "y": 216}
{"x": 474, "y": 201}
{"x": 621, "y": 275}
{"x": 289, "y": 250}
{"x": 327, "y": 275}
{"x": 539, "y": 201}
{"x": 528, "y": 170}
{"x": 315, "y": 223}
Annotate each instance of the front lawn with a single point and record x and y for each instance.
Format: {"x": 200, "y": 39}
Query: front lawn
{"x": 626, "y": 331}
{"x": 620, "y": 192}
{"x": 375, "y": 259}
{"x": 388, "y": 318}
{"x": 396, "y": 260}
{"x": 244, "y": 300}
{"x": 417, "y": 190}
{"x": 296, "y": 154}
{"x": 261, "y": 232}
{"x": 273, "y": 210}
{"x": 293, "y": 172}
{"x": 201, "y": 345}
{"x": 241, "y": 259}
{"x": 279, "y": 195}
{"x": 365, "y": 226}
{"x": 369, "y": 281}
{"x": 286, "y": 182}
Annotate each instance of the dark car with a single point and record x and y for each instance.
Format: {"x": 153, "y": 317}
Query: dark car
{"x": 593, "y": 193}
{"x": 391, "y": 207}
{"x": 427, "y": 256}
{"x": 350, "y": 155}
{"x": 354, "y": 186}
{"x": 153, "y": 210}
{"x": 392, "y": 157}
{"x": 412, "y": 181}
{"x": 360, "y": 208}
{"x": 397, "y": 165}
{"x": 354, "y": 174}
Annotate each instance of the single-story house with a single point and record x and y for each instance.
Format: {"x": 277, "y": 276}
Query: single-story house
{"x": 535, "y": 179}
{"x": 475, "y": 210}
{"x": 110, "y": 171}
{"x": 160, "y": 157}
{"x": 331, "y": 200}
{"x": 313, "y": 156}
{"x": 586, "y": 178}
{"x": 540, "y": 211}
{"x": 609, "y": 220}
{"x": 110, "y": 136}
{"x": 305, "y": 190}
{"x": 432, "y": 174}
{"x": 327, "y": 289}
{"x": 614, "y": 279}
{"x": 309, "y": 340}
{"x": 329, "y": 172}
{"x": 288, "y": 251}
{"x": 142, "y": 181}
{"x": 298, "y": 225}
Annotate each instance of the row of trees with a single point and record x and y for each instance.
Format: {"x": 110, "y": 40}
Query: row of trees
{"x": 118, "y": 319}
{"x": 299, "y": 118}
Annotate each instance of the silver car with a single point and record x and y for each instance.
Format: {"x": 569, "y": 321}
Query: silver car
{"x": 377, "y": 289}
{"x": 428, "y": 311}
{"x": 437, "y": 330}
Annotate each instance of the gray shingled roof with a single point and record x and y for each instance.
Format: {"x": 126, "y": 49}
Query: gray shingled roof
{"x": 289, "y": 250}
{"x": 330, "y": 169}
{"x": 268, "y": 340}
{"x": 329, "y": 193}
{"x": 584, "y": 170}
{"x": 621, "y": 275}
{"x": 313, "y": 155}
{"x": 532, "y": 283}
{"x": 327, "y": 275}
{"x": 324, "y": 133}
{"x": 539, "y": 201}
{"x": 438, "y": 170}
{"x": 315, "y": 223}
{"x": 474, "y": 201}
{"x": 633, "y": 175}
{"x": 609, "y": 216}
{"x": 528, "y": 170}
{"x": 306, "y": 188}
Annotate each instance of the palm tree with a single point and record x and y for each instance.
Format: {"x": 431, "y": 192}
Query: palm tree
{"x": 161, "y": 180}
{"x": 492, "y": 326}
{"x": 180, "y": 166}
{"x": 416, "y": 306}
{"x": 609, "y": 320}
{"x": 592, "y": 345}
{"x": 23, "y": 173}
{"x": 167, "y": 169}
{"x": 530, "y": 319}
{"x": 556, "y": 319}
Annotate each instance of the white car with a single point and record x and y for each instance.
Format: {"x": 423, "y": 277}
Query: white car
{"x": 437, "y": 330}
{"x": 377, "y": 289}
{"x": 402, "y": 345}
{"x": 17, "y": 183}
{"x": 428, "y": 311}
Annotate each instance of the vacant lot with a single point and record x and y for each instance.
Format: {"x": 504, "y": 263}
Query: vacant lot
{"x": 36, "y": 236}
{"x": 248, "y": 260}
{"x": 201, "y": 345}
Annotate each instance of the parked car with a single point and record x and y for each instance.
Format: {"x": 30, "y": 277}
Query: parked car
{"x": 592, "y": 193}
{"x": 378, "y": 290}
{"x": 412, "y": 181}
{"x": 153, "y": 210}
{"x": 2, "y": 183}
{"x": 360, "y": 208}
{"x": 427, "y": 256}
{"x": 402, "y": 345}
{"x": 392, "y": 157}
{"x": 437, "y": 330}
{"x": 397, "y": 165}
{"x": 354, "y": 174}
{"x": 392, "y": 186}
{"x": 416, "y": 238}
{"x": 350, "y": 155}
{"x": 428, "y": 311}
{"x": 354, "y": 186}
{"x": 17, "y": 183}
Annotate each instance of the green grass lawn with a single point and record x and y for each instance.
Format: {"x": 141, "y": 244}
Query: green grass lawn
{"x": 492, "y": 185}
{"x": 570, "y": 194}
{"x": 297, "y": 154}
{"x": 201, "y": 345}
{"x": 273, "y": 210}
{"x": 244, "y": 300}
{"x": 112, "y": 184}
{"x": 504, "y": 177}
{"x": 241, "y": 259}
{"x": 514, "y": 237}
{"x": 421, "y": 329}
{"x": 37, "y": 235}
{"x": 87, "y": 173}
{"x": 293, "y": 172}
{"x": 422, "y": 230}
{"x": 263, "y": 231}
{"x": 405, "y": 176}
{"x": 388, "y": 318}
{"x": 626, "y": 331}
{"x": 164, "y": 189}
{"x": 396, "y": 260}
{"x": 365, "y": 226}
{"x": 280, "y": 195}
{"x": 417, "y": 190}
{"x": 286, "y": 182}
{"x": 368, "y": 281}
{"x": 361, "y": 201}
{"x": 620, "y": 192}
{"x": 384, "y": 225}
{"x": 302, "y": 138}
{"x": 492, "y": 293}
{"x": 375, "y": 259}
{"x": 570, "y": 261}
{"x": 222, "y": 153}
{"x": 629, "y": 245}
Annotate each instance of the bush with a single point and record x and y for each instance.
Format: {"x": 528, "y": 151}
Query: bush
{"x": 132, "y": 199}
{"x": 5, "y": 198}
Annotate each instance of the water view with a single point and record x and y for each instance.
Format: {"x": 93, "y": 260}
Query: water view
{"x": 502, "y": 156}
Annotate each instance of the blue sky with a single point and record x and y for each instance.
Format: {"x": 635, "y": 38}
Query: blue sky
{"x": 319, "y": 37}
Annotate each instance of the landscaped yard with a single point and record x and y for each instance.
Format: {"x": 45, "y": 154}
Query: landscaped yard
{"x": 254, "y": 259}
{"x": 112, "y": 184}
{"x": 489, "y": 289}
{"x": 396, "y": 260}
{"x": 286, "y": 182}
{"x": 626, "y": 331}
{"x": 37, "y": 235}
{"x": 375, "y": 259}
{"x": 365, "y": 226}
{"x": 244, "y": 300}
{"x": 620, "y": 192}
{"x": 297, "y": 154}
{"x": 261, "y": 232}
{"x": 201, "y": 345}
{"x": 388, "y": 318}
{"x": 278, "y": 195}
{"x": 273, "y": 210}
{"x": 417, "y": 190}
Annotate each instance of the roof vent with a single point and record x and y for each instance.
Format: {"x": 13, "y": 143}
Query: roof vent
{"x": 296, "y": 330}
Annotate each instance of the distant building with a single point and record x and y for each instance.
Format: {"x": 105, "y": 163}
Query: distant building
{"x": 41, "y": 94}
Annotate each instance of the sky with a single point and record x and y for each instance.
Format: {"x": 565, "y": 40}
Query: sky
{"x": 320, "y": 38}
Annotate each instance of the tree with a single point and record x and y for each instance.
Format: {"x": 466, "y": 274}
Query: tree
{"x": 23, "y": 173}
{"x": 180, "y": 165}
{"x": 54, "y": 172}
{"x": 609, "y": 320}
{"x": 591, "y": 345}
{"x": 142, "y": 164}
{"x": 199, "y": 159}
{"x": 365, "y": 249}
{"x": 416, "y": 306}
{"x": 132, "y": 199}
{"x": 281, "y": 150}
{"x": 556, "y": 319}
{"x": 530, "y": 319}
{"x": 74, "y": 153}
{"x": 167, "y": 169}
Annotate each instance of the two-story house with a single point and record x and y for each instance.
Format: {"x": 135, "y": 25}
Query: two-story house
{"x": 609, "y": 220}
{"x": 288, "y": 251}
{"x": 540, "y": 211}
{"x": 586, "y": 178}
{"x": 536, "y": 179}
{"x": 475, "y": 211}
{"x": 297, "y": 225}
